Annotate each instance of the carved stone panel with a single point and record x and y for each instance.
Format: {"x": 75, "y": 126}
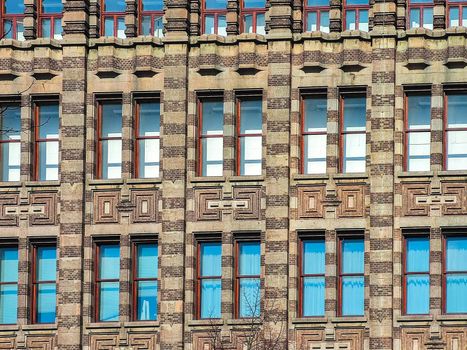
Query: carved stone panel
{"x": 412, "y": 206}
{"x": 414, "y": 339}
{"x": 139, "y": 341}
{"x": 310, "y": 339}
{"x": 350, "y": 339}
{"x": 352, "y": 200}
{"x": 105, "y": 207}
{"x": 39, "y": 343}
{"x": 455, "y": 338}
{"x": 456, "y": 205}
{"x": 207, "y": 204}
{"x": 247, "y": 203}
{"x": 6, "y": 202}
{"x": 202, "y": 342}
{"x": 145, "y": 203}
{"x": 104, "y": 341}
{"x": 310, "y": 202}
{"x": 7, "y": 343}
{"x": 44, "y": 208}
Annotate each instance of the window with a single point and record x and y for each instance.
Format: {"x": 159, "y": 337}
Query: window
{"x": 109, "y": 150}
{"x": 457, "y": 12}
{"x": 351, "y": 276}
{"x": 211, "y": 137}
{"x": 455, "y": 274}
{"x": 417, "y": 275}
{"x": 455, "y": 125}
{"x": 151, "y": 19}
{"x": 312, "y": 277}
{"x": 46, "y": 123}
{"x": 107, "y": 277}
{"x": 10, "y": 141}
{"x": 356, "y": 15}
{"x": 317, "y": 15}
{"x": 253, "y": 16}
{"x": 145, "y": 283}
{"x": 314, "y": 132}
{"x": 209, "y": 279}
{"x": 50, "y": 19}
{"x": 44, "y": 284}
{"x": 420, "y": 14}
{"x": 417, "y": 132}
{"x": 248, "y": 283}
{"x": 113, "y": 18}
{"x": 8, "y": 285}
{"x": 12, "y": 18}
{"x": 147, "y": 140}
{"x": 249, "y": 140}
{"x": 353, "y": 133}
{"x": 214, "y": 17}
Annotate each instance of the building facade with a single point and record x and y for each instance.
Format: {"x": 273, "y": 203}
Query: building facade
{"x": 172, "y": 167}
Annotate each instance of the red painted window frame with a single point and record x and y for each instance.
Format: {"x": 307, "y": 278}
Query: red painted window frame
{"x": 249, "y": 11}
{"x": 135, "y": 279}
{"x": 446, "y": 273}
{"x": 342, "y": 133}
{"x": 357, "y": 9}
{"x": 34, "y": 282}
{"x": 420, "y": 6}
{"x": 302, "y": 275}
{"x": 37, "y": 139}
{"x": 6, "y": 105}
{"x": 10, "y": 245}
{"x": 446, "y": 129}
{"x": 238, "y": 278}
{"x": 460, "y": 5}
{"x": 404, "y": 267}
{"x": 200, "y": 135}
{"x": 152, "y": 14}
{"x": 110, "y": 14}
{"x": 100, "y": 102}
{"x": 215, "y": 12}
{"x": 239, "y": 135}
{"x": 318, "y": 10}
{"x": 303, "y": 133}
{"x": 9, "y": 17}
{"x": 51, "y": 16}
{"x": 97, "y": 280}
{"x": 340, "y": 239}
{"x": 199, "y": 278}
{"x": 136, "y": 157}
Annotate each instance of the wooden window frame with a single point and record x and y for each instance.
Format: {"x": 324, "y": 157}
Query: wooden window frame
{"x": 445, "y": 273}
{"x": 51, "y": 16}
{"x": 135, "y": 279}
{"x": 342, "y": 96}
{"x": 11, "y": 245}
{"x": 340, "y": 239}
{"x": 110, "y": 14}
{"x": 136, "y": 157}
{"x": 306, "y": 238}
{"x": 199, "y": 278}
{"x": 152, "y": 14}
{"x": 238, "y": 277}
{"x": 9, "y": 17}
{"x": 318, "y": 9}
{"x": 254, "y": 12}
{"x": 37, "y": 140}
{"x": 200, "y": 135}
{"x": 460, "y": 5}
{"x": 405, "y": 236}
{"x": 33, "y": 279}
{"x": 421, "y": 7}
{"x": 446, "y": 128}
{"x": 357, "y": 9}
{"x": 214, "y": 12}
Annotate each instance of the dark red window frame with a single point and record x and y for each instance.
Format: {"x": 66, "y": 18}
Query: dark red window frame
{"x": 110, "y": 14}
{"x": 357, "y": 9}
{"x": 421, "y": 7}
{"x": 318, "y": 10}
{"x": 340, "y": 239}
{"x": 254, "y": 12}
{"x": 51, "y": 16}
{"x": 446, "y": 128}
{"x": 461, "y": 6}
{"x": 135, "y": 279}
{"x": 9, "y": 17}
{"x": 215, "y": 12}
{"x": 302, "y": 275}
{"x": 152, "y": 14}
{"x": 34, "y": 282}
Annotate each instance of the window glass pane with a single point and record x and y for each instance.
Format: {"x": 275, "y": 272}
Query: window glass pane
{"x": 315, "y": 154}
{"x": 415, "y": 18}
{"x": 52, "y": 6}
{"x": 312, "y": 22}
{"x": 354, "y": 153}
{"x": 14, "y": 7}
{"x": 250, "y": 297}
{"x": 147, "y": 260}
{"x": 147, "y": 300}
{"x": 313, "y": 257}
{"x": 11, "y": 164}
{"x": 464, "y": 16}
{"x": 210, "y": 298}
{"x": 216, "y": 4}
{"x": 48, "y": 160}
{"x": 111, "y": 120}
{"x": 153, "y": 5}
{"x": 418, "y": 294}
{"x": 316, "y": 117}
{"x": 8, "y": 265}
{"x": 251, "y": 155}
{"x": 112, "y": 159}
{"x": 251, "y": 117}
{"x": 48, "y": 121}
{"x": 418, "y": 152}
{"x": 352, "y": 296}
{"x": 313, "y": 296}
{"x": 457, "y": 111}
{"x": 354, "y": 113}
{"x": 457, "y": 150}
{"x": 213, "y": 156}
{"x": 19, "y": 30}
{"x": 456, "y": 290}
{"x": 248, "y": 23}
{"x": 46, "y": 303}
{"x": 456, "y": 254}
{"x": 149, "y": 119}
{"x": 254, "y": 4}
{"x": 260, "y": 23}
{"x": 363, "y": 20}
{"x": 146, "y": 25}
{"x": 46, "y": 269}
{"x": 421, "y": 1}
{"x": 357, "y": 2}
{"x": 109, "y": 263}
{"x": 318, "y": 3}
{"x": 114, "y": 6}
{"x": 158, "y": 27}
{"x": 353, "y": 256}
{"x": 428, "y": 17}
{"x": 209, "y": 24}
{"x": 454, "y": 17}
{"x": 350, "y": 20}
{"x": 418, "y": 254}
{"x": 11, "y": 123}
{"x": 109, "y": 26}
{"x": 8, "y": 303}
{"x": 109, "y": 301}
{"x": 211, "y": 255}
{"x": 250, "y": 258}
{"x": 149, "y": 158}
{"x": 8, "y": 29}
{"x": 221, "y": 25}
{"x": 58, "y": 29}
{"x": 324, "y": 21}
{"x": 121, "y": 28}
{"x": 213, "y": 118}
{"x": 45, "y": 28}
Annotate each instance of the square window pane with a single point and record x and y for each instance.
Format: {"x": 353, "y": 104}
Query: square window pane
{"x": 354, "y": 113}
{"x": 11, "y": 123}
{"x": 109, "y": 263}
{"x": 213, "y": 118}
{"x": 418, "y": 254}
{"x": 251, "y": 155}
{"x": 46, "y": 269}
{"x": 316, "y": 116}
{"x": 415, "y": 18}
{"x": 215, "y": 4}
{"x": 209, "y": 24}
{"x": 149, "y": 119}
{"x": 454, "y": 17}
{"x": 14, "y": 7}
{"x": 114, "y": 6}
{"x": 418, "y": 294}
{"x": 318, "y": 3}
{"x": 46, "y": 28}
{"x": 48, "y": 160}
{"x": 46, "y": 303}
{"x": 147, "y": 300}
{"x": 213, "y": 156}
{"x": 312, "y": 22}
{"x": 456, "y": 291}
{"x": 112, "y": 159}
{"x": 48, "y": 121}
{"x": 153, "y": 5}
{"x": 428, "y": 17}
{"x": 248, "y": 23}
{"x": 149, "y": 158}
{"x": 457, "y": 111}
{"x": 11, "y": 161}
{"x": 313, "y": 257}
{"x": 111, "y": 120}
{"x": 418, "y": 152}
{"x": 251, "y": 117}
{"x": 250, "y": 258}
{"x": 353, "y": 296}
{"x": 52, "y": 6}
{"x": 8, "y": 265}
{"x": 353, "y": 256}
{"x": 357, "y": 2}
{"x": 147, "y": 260}
{"x": 457, "y": 150}
{"x": 211, "y": 257}
{"x": 313, "y": 296}
{"x": 250, "y": 297}
{"x": 109, "y": 26}
{"x": 109, "y": 301}
{"x": 146, "y": 25}
{"x": 8, "y": 303}
{"x": 315, "y": 154}
{"x": 456, "y": 254}
{"x": 210, "y": 298}
{"x": 350, "y": 20}
{"x": 354, "y": 153}
{"x": 254, "y": 4}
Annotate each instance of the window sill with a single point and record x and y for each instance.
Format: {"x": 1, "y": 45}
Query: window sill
{"x": 10, "y": 184}
{"x": 141, "y": 324}
{"x": 42, "y": 183}
{"x": 350, "y": 176}
{"x": 246, "y": 178}
{"x": 298, "y": 177}
{"x": 105, "y": 182}
{"x": 447, "y": 173}
{"x": 415, "y": 318}
{"x": 243, "y": 321}
{"x": 9, "y": 327}
{"x": 200, "y": 179}
{"x": 99, "y": 325}
{"x": 410, "y": 174}
{"x": 308, "y": 320}
{"x": 349, "y": 319}
{"x": 206, "y": 322}
{"x": 39, "y": 327}
{"x": 156, "y": 180}
{"x": 452, "y": 317}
